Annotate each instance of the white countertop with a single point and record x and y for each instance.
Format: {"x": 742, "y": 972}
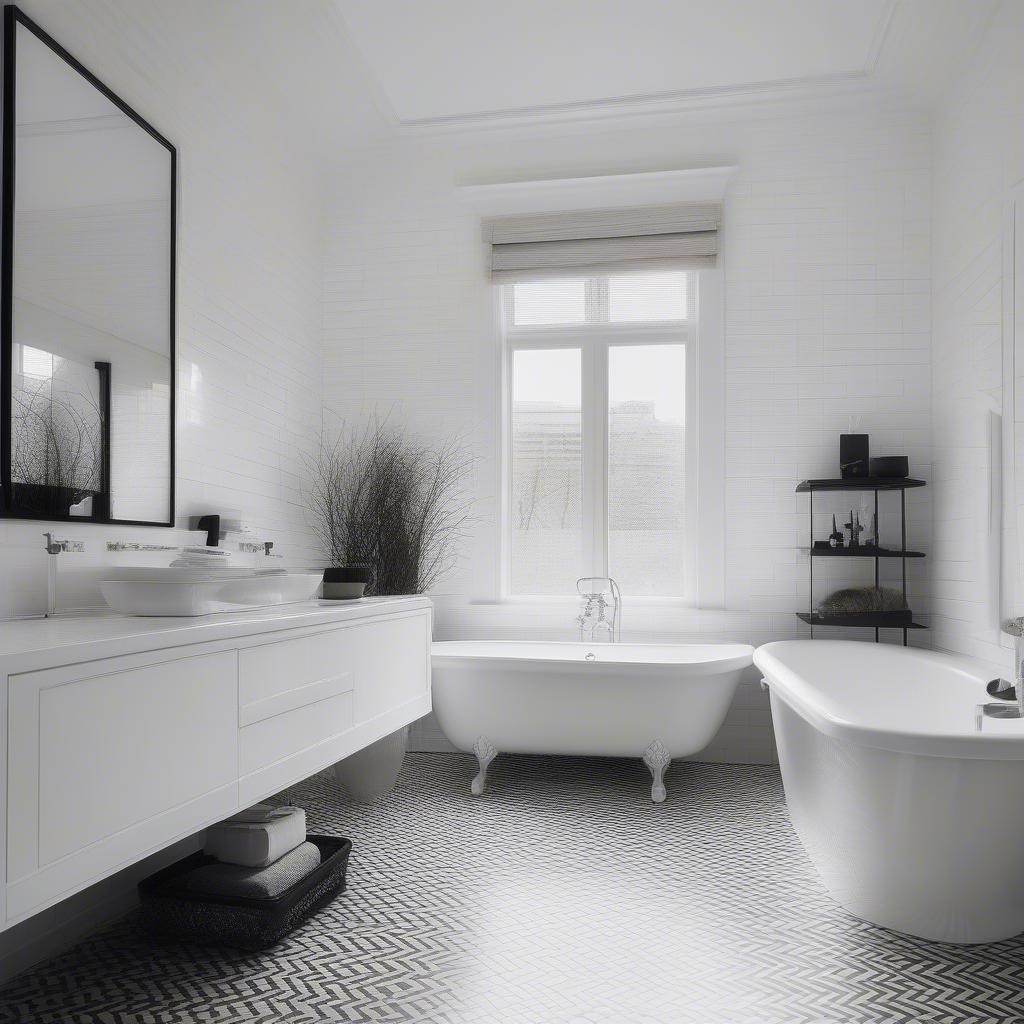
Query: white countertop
{"x": 30, "y": 644}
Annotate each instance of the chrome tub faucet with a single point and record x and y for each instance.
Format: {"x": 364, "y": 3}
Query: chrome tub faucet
{"x": 600, "y": 618}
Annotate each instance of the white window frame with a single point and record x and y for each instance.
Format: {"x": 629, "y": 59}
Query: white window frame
{"x": 702, "y": 570}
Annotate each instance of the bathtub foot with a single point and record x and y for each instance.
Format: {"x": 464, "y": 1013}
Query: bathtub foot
{"x": 485, "y": 754}
{"x": 657, "y": 759}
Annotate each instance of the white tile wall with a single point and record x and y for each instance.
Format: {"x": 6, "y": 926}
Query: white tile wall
{"x": 249, "y": 280}
{"x": 978, "y": 157}
{"x": 827, "y": 292}
{"x": 249, "y": 341}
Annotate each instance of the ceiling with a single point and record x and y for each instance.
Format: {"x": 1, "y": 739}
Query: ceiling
{"x": 438, "y": 62}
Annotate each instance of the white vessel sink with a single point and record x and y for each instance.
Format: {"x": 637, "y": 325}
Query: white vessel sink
{"x": 182, "y": 597}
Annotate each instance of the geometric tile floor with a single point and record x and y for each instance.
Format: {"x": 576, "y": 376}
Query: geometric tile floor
{"x": 563, "y": 896}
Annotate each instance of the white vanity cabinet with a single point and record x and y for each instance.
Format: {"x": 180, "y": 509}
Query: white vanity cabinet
{"x": 124, "y": 735}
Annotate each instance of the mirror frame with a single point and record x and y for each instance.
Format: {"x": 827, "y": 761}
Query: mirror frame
{"x": 13, "y": 17}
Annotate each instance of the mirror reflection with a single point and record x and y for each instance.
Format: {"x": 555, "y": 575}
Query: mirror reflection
{"x": 90, "y": 340}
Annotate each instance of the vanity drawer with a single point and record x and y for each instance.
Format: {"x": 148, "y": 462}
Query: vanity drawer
{"x": 273, "y": 739}
{"x": 280, "y": 677}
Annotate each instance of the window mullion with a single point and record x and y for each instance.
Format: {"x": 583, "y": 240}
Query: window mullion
{"x": 601, "y": 297}
{"x": 591, "y": 300}
{"x": 588, "y": 412}
{"x": 596, "y": 443}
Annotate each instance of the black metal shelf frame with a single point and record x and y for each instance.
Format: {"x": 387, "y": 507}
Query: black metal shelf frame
{"x": 874, "y": 484}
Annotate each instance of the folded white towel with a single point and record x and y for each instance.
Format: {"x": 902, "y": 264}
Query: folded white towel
{"x": 255, "y": 844}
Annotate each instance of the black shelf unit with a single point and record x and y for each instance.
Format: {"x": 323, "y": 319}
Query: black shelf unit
{"x": 880, "y": 620}
{"x": 864, "y": 551}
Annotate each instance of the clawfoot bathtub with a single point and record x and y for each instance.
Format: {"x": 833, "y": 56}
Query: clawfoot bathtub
{"x": 908, "y": 798}
{"x": 652, "y": 701}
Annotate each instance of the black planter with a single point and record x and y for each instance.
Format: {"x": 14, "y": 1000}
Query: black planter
{"x": 347, "y": 582}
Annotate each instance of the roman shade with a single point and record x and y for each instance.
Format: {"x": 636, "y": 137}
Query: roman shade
{"x": 587, "y": 242}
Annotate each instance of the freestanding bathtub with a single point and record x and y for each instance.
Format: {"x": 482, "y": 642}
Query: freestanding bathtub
{"x": 654, "y": 701}
{"x": 908, "y": 799}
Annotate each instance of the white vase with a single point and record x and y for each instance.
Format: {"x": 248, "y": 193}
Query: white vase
{"x": 372, "y": 772}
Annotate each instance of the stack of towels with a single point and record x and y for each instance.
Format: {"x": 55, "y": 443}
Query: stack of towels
{"x": 203, "y": 558}
{"x": 259, "y": 853}
{"x": 213, "y": 561}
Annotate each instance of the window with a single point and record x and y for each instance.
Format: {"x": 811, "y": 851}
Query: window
{"x": 598, "y": 416}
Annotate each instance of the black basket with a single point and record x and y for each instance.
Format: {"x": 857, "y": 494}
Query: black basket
{"x": 170, "y": 909}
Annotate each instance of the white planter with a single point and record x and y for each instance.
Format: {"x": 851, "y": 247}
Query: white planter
{"x": 372, "y": 772}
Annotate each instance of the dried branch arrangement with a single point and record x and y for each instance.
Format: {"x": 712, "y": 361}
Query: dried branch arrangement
{"x": 56, "y": 451}
{"x": 384, "y": 499}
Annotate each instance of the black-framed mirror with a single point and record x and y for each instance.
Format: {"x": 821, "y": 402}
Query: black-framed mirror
{"x": 87, "y": 320}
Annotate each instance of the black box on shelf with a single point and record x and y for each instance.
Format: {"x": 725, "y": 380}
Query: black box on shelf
{"x": 853, "y": 455}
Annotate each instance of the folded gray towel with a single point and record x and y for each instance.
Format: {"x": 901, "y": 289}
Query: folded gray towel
{"x": 257, "y": 883}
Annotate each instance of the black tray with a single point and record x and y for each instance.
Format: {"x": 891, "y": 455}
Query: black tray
{"x": 170, "y": 909}
{"x": 897, "y": 619}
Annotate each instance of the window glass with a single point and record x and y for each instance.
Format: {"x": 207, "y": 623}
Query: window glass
{"x": 558, "y": 301}
{"x": 647, "y": 468}
{"x": 598, "y": 432}
{"x": 635, "y": 298}
{"x": 547, "y": 471}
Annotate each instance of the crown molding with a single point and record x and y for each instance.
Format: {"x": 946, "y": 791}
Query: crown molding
{"x": 603, "y": 191}
{"x": 844, "y": 85}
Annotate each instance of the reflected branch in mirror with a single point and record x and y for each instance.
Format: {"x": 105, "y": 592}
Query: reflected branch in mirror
{"x": 56, "y": 451}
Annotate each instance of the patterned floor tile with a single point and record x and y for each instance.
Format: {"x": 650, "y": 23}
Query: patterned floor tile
{"x": 563, "y": 896}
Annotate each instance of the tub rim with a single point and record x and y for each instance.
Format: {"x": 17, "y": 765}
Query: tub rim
{"x": 798, "y": 692}
{"x": 741, "y": 658}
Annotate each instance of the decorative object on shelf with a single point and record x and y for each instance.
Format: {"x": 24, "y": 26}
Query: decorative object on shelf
{"x": 853, "y": 455}
{"x": 861, "y": 601}
{"x": 901, "y": 618}
{"x": 855, "y": 529}
{"x": 835, "y": 539}
{"x": 890, "y": 466}
{"x": 347, "y": 582}
{"x": 371, "y": 773}
{"x": 385, "y": 499}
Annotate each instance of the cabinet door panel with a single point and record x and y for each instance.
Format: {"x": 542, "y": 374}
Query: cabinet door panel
{"x": 93, "y": 756}
{"x": 391, "y": 662}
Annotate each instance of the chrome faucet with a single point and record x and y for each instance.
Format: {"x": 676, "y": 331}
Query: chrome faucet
{"x": 600, "y": 618}
{"x": 54, "y": 547}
